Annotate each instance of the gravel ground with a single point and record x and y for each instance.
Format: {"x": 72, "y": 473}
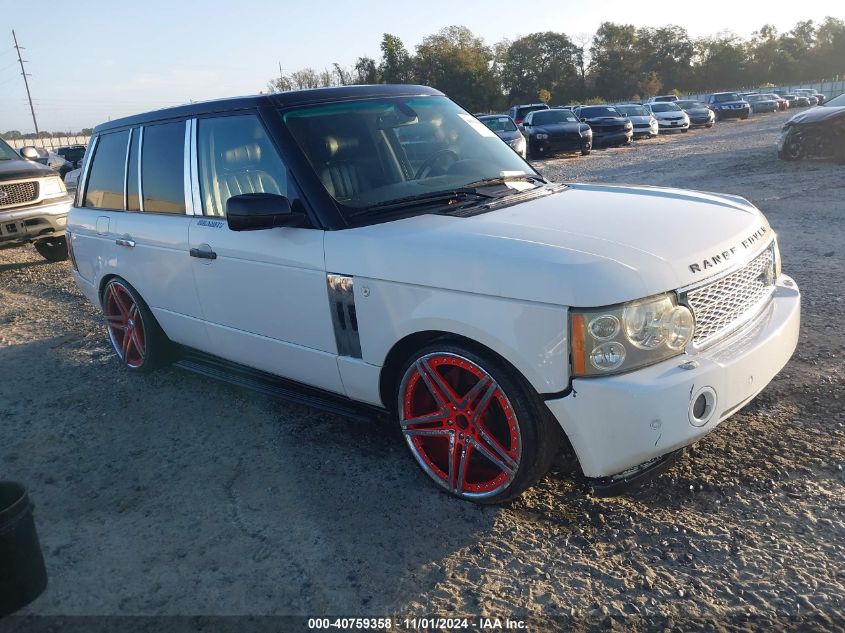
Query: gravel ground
{"x": 171, "y": 494}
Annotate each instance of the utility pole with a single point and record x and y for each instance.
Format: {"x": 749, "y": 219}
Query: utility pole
{"x": 25, "y": 83}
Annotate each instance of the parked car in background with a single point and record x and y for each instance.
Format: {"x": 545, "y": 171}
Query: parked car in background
{"x": 46, "y": 157}
{"x": 699, "y": 114}
{"x": 817, "y": 133}
{"x": 289, "y": 242}
{"x": 73, "y": 154}
{"x": 791, "y": 99}
{"x": 761, "y": 103}
{"x": 609, "y": 126}
{"x": 728, "y": 105}
{"x": 669, "y": 116}
{"x": 72, "y": 180}
{"x": 506, "y": 129}
{"x": 518, "y": 112}
{"x": 809, "y": 94}
{"x": 663, "y": 99}
{"x": 34, "y": 204}
{"x": 783, "y": 104}
{"x": 645, "y": 125}
{"x": 556, "y": 130}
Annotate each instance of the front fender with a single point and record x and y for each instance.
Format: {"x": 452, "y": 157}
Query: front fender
{"x": 531, "y": 336}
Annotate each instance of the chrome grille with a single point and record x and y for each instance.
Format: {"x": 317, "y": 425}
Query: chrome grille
{"x": 18, "y": 193}
{"x": 726, "y": 303}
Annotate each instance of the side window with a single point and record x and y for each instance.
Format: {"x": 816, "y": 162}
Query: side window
{"x": 235, "y": 157}
{"x": 132, "y": 198}
{"x": 163, "y": 168}
{"x": 105, "y": 183}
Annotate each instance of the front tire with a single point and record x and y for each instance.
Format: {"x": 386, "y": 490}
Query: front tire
{"x": 137, "y": 338}
{"x": 475, "y": 428}
{"x": 52, "y": 249}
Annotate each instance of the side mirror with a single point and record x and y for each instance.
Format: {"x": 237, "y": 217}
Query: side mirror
{"x": 526, "y": 124}
{"x": 583, "y": 119}
{"x": 29, "y": 153}
{"x": 255, "y": 211}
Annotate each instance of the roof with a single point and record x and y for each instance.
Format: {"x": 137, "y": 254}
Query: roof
{"x": 275, "y": 99}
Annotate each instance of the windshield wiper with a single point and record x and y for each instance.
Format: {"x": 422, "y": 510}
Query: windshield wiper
{"x": 501, "y": 180}
{"x": 449, "y": 197}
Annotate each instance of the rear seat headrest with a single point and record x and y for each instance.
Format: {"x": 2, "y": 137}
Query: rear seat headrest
{"x": 338, "y": 145}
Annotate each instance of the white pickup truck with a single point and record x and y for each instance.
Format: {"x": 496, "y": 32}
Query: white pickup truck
{"x": 376, "y": 249}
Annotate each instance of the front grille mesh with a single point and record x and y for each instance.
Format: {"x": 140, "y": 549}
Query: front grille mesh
{"x": 725, "y": 302}
{"x": 18, "y": 193}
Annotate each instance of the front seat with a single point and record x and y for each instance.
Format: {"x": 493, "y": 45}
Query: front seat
{"x": 342, "y": 175}
{"x": 243, "y": 173}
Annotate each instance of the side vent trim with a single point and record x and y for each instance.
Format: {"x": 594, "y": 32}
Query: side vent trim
{"x": 344, "y": 317}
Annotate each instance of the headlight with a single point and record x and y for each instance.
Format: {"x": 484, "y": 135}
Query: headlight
{"x": 542, "y": 137}
{"x": 628, "y": 336}
{"x": 52, "y": 187}
{"x": 629, "y": 126}
{"x": 517, "y": 142}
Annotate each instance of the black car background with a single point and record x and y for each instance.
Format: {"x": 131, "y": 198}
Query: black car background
{"x": 505, "y": 128}
{"x": 610, "y": 127}
{"x": 557, "y": 130}
{"x": 817, "y": 133}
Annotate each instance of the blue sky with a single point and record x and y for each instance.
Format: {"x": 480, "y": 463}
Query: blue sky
{"x": 91, "y": 60}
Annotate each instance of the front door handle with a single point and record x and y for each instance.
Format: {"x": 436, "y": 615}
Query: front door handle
{"x": 203, "y": 253}
{"x": 125, "y": 242}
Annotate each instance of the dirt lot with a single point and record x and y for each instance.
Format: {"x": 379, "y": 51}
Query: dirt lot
{"x": 172, "y": 494}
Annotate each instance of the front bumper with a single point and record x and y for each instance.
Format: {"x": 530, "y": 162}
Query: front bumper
{"x": 665, "y": 126}
{"x": 569, "y": 143}
{"x": 725, "y": 113}
{"x": 701, "y": 120}
{"x": 618, "y": 422}
{"x": 26, "y": 224}
{"x": 612, "y": 138}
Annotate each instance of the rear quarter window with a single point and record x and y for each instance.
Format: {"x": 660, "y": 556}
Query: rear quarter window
{"x": 105, "y": 183}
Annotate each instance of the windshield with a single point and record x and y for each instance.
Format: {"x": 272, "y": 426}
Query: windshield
{"x": 691, "y": 105}
{"x": 722, "y": 97}
{"x": 499, "y": 123}
{"x": 632, "y": 110}
{"x": 598, "y": 111}
{"x": 6, "y": 152}
{"x": 548, "y": 117}
{"x": 836, "y": 101}
{"x": 524, "y": 110}
{"x": 377, "y": 151}
{"x": 664, "y": 107}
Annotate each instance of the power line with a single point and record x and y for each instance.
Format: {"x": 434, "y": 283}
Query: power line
{"x": 26, "y": 83}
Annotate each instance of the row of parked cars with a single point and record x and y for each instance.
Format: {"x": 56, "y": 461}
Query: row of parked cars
{"x": 536, "y": 129}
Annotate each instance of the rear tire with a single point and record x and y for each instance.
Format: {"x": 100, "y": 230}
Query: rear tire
{"x": 52, "y": 249}
{"x": 137, "y": 338}
{"x": 475, "y": 427}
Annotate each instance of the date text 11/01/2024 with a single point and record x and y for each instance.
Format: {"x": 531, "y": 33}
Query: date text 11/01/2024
{"x": 416, "y": 624}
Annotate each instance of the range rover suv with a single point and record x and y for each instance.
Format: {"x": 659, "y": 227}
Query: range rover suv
{"x": 377, "y": 250}
{"x": 33, "y": 205}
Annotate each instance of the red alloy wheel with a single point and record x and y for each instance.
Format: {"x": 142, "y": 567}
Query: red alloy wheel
{"x": 460, "y": 425}
{"x": 126, "y": 328}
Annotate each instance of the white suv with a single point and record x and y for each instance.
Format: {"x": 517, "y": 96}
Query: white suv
{"x": 376, "y": 249}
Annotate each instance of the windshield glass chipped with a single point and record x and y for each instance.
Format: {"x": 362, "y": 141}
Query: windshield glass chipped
{"x": 374, "y": 153}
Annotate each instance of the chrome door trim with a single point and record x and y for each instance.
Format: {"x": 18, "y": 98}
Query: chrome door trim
{"x": 194, "y": 164}
{"x": 126, "y": 171}
{"x": 140, "y": 174}
{"x": 82, "y": 185}
{"x": 186, "y": 169}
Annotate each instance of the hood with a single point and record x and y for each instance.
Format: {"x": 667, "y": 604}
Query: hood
{"x": 698, "y": 111}
{"x": 15, "y": 169}
{"x": 670, "y": 114}
{"x": 606, "y": 119}
{"x": 817, "y": 114}
{"x": 589, "y": 245}
{"x": 730, "y": 103}
{"x": 559, "y": 128}
{"x": 509, "y": 136}
{"x": 640, "y": 118}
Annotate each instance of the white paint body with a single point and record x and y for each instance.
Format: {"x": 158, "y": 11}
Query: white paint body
{"x": 505, "y": 279}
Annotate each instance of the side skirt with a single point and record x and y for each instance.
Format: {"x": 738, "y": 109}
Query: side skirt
{"x": 275, "y": 386}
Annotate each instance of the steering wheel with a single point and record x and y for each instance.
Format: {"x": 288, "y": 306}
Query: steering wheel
{"x": 431, "y": 162}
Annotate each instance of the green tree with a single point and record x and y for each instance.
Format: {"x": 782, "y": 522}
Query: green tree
{"x": 666, "y": 51}
{"x": 458, "y": 63}
{"x": 540, "y": 61}
{"x": 396, "y": 63}
{"x": 366, "y": 71}
{"x": 614, "y": 62}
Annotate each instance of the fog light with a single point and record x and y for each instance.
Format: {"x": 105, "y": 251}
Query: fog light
{"x": 702, "y": 406}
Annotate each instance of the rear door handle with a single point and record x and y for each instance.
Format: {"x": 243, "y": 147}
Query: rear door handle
{"x": 125, "y": 242}
{"x": 202, "y": 253}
